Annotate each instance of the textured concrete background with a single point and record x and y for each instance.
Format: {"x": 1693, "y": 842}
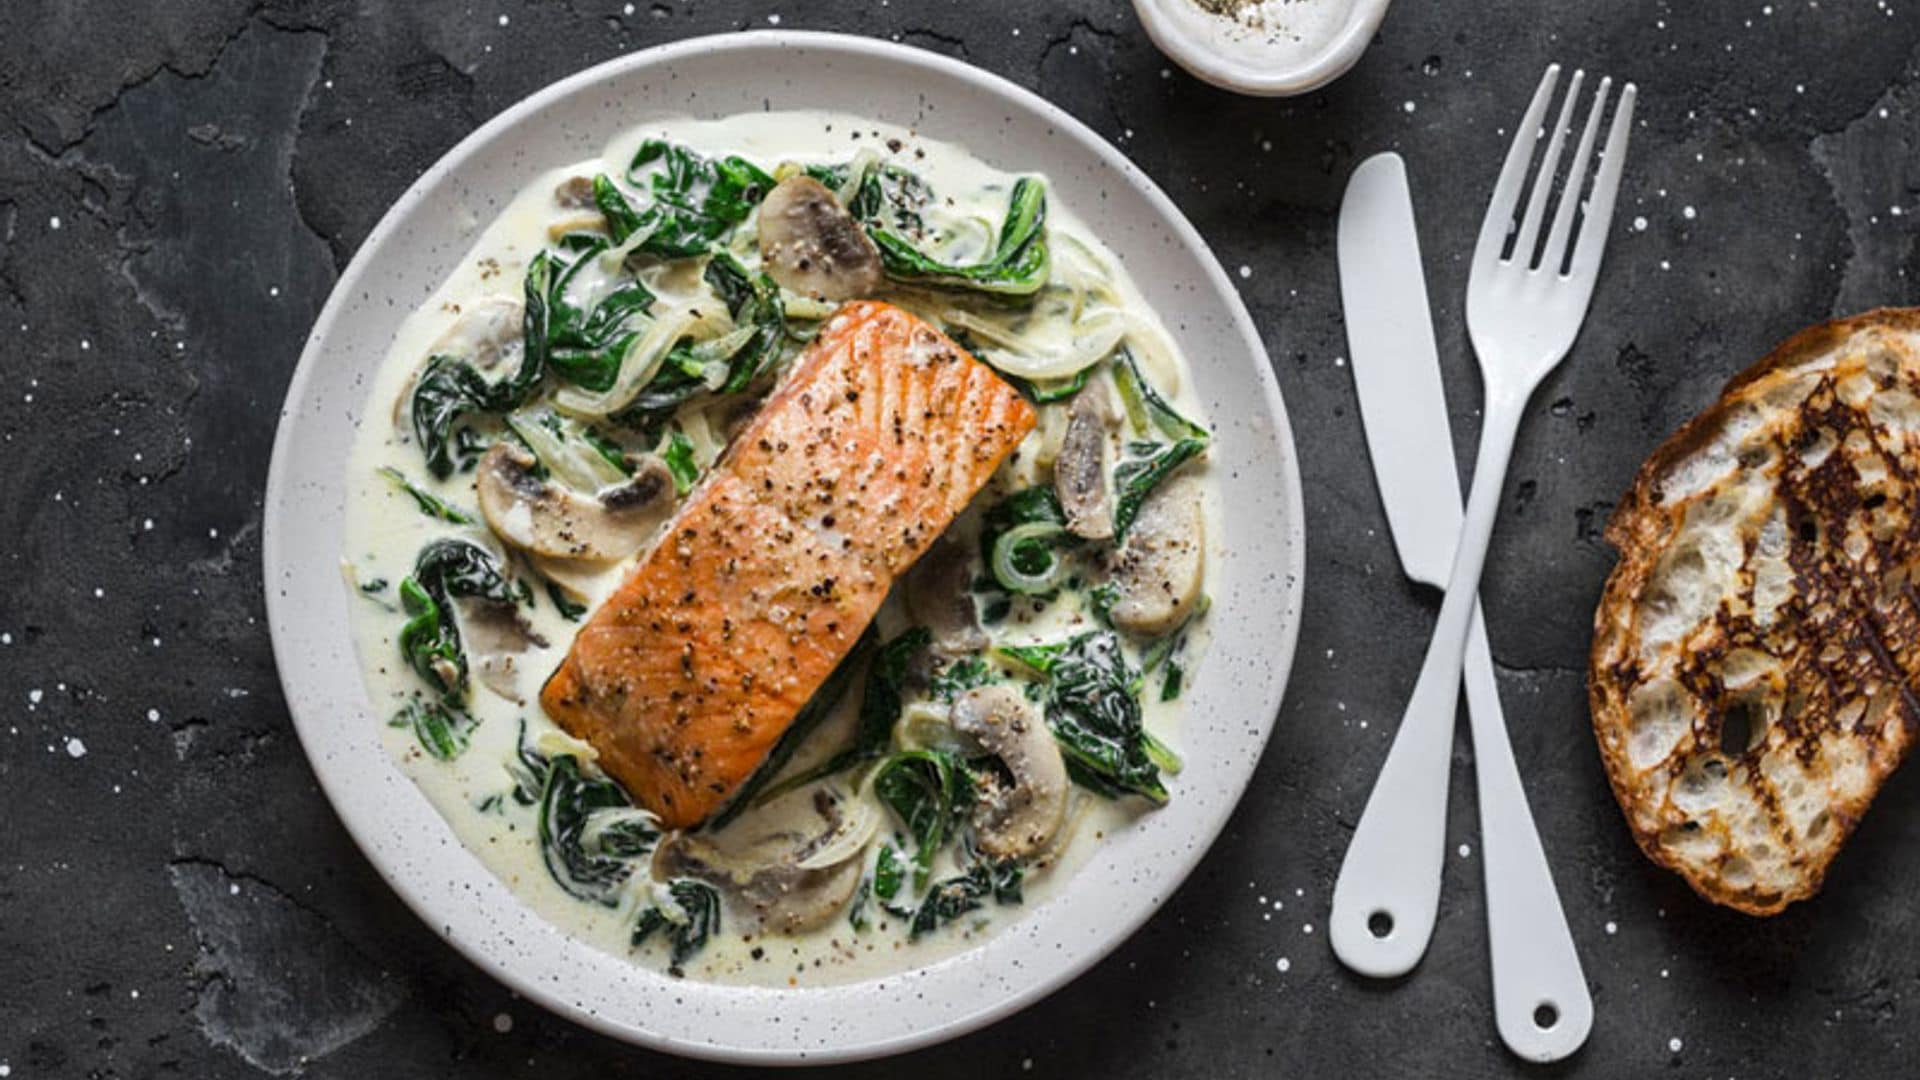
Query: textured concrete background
{"x": 180, "y": 184}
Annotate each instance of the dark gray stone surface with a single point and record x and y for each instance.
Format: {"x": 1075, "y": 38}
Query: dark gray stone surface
{"x": 180, "y": 184}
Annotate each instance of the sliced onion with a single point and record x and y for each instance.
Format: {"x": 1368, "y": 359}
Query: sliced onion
{"x": 1008, "y": 544}
{"x": 858, "y": 822}
{"x": 806, "y": 307}
{"x": 1048, "y": 434}
{"x": 924, "y": 725}
{"x": 714, "y": 354}
{"x": 697, "y": 426}
{"x": 863, "y": 163}
{"x": 553, "y": 742}
{"x": 638, "y": 367}
{"x": 573, "y": 462}
{"x": 1093, "y": 338}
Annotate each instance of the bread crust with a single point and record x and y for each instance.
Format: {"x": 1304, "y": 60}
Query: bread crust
{"x": 1824, "y": 664}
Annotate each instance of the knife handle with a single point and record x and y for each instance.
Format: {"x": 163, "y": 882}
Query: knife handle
{"x": 1541, "y": 1005}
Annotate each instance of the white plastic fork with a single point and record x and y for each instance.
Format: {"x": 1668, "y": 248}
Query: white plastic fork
{"x": 1525, "y": 304}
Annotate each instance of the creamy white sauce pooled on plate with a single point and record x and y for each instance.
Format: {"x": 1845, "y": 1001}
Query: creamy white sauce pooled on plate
{"x": 488, "y": 771}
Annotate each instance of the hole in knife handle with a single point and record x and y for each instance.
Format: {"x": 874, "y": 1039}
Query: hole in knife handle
{"x": 1545, "y": 1016}
{"x": 1380, "y": 925}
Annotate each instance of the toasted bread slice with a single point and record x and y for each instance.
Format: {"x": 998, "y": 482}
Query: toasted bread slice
{"x": 1755, "y": 651}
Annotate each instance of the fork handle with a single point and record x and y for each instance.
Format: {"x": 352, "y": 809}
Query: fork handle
{"x": 1541, "y": 1005}
{"x": 1388, "y": 892}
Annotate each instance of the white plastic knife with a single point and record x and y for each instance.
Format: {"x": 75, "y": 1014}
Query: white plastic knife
{"x": 1388, "y": 893}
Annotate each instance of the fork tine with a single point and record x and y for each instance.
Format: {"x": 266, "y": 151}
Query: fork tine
{"x": 1606, "y": 185}
{"x": 1506, "y": 193}
{"x": 1556, "y": 249}
{"x": 1543, "y": 181}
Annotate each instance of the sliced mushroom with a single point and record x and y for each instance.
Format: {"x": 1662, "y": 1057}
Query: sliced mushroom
{"x": 811, "y": 245}
{"x": 781, "y": 868}
{"x": 489, "y": 335}
{"x": 1081, "y": 469}
{"x": 940, "y": 597}
{"x": 542, "y": 517}
{"x": 496, "y": 635}
{"x": 1158, "y": 571}
{"x": 575, "y": 193}
{"x": 580, "y": 580}
{"x": 1013, "y": 820}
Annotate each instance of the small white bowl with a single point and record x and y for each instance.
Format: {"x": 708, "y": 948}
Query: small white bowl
{"x": 1200, "y": 42}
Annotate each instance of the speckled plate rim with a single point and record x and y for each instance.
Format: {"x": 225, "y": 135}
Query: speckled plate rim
{"x": 1235, "y": 697}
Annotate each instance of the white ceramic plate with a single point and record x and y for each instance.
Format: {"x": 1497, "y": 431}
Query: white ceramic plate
{"x": 1235, "y": 695}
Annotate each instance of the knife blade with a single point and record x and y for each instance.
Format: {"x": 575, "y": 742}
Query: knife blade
{"x": 1542, "y": 1006}
{"x": 1396, "y": 366}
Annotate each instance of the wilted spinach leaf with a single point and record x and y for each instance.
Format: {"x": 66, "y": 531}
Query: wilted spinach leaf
{"x": 893, "y": 197}
{"x": 955, "y": 896}
{"x": 1144, "y": 468}
{"x": 1048, "y": 392}
{"x": 959, "y": 677}
{"x": 429, "y": 504}
{"x": 753, "y": 300}
{"x": 1017, "y": 266}
{"x": 1144, "y": 404}
{"x": 590, "y": 833}
{"x": 679, "y": 458}
{"x": 690, "y": 928}
{"x": 430, "y": 640}
{"x": 929, "y": 791}
{"x": 584, "y": 345}
{"x": 443, "y": 730}
{"x": 695, "y": 200}
{"x": 449, "y": 387}
{"x": 888, "y": 872}
{"x": 1094, "y": 715}
{"x": 569, "y": 608}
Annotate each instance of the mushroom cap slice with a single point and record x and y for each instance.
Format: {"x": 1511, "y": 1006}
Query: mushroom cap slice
{"x": 542, "y": 517}
{"x": 811, "y": 245}
{"x": 489, "y": 334}
{"x": 1017, "y": 820}
{"x": 1160, "y": 569}
{"x": 940, "y": 597}
{"x": 781, "y": 868}
{"x": 575, "y": 193}
{"x": 496, "y": 635}
{"x": 1083, "y": 465}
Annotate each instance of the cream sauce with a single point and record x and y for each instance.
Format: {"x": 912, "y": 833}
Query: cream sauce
{"x": 385, "y": 531}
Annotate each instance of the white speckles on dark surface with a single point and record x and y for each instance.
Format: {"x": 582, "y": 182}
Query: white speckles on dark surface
{"x": 1818, "y": 102}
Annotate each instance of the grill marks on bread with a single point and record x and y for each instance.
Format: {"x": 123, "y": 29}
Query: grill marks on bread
{"x": 1755, "y": 653}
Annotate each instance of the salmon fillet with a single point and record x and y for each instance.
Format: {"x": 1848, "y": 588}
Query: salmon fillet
{"x": 686, "y": 677}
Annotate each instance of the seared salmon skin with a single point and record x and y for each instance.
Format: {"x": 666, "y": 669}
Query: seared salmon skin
{"x": 685, "y": 678}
